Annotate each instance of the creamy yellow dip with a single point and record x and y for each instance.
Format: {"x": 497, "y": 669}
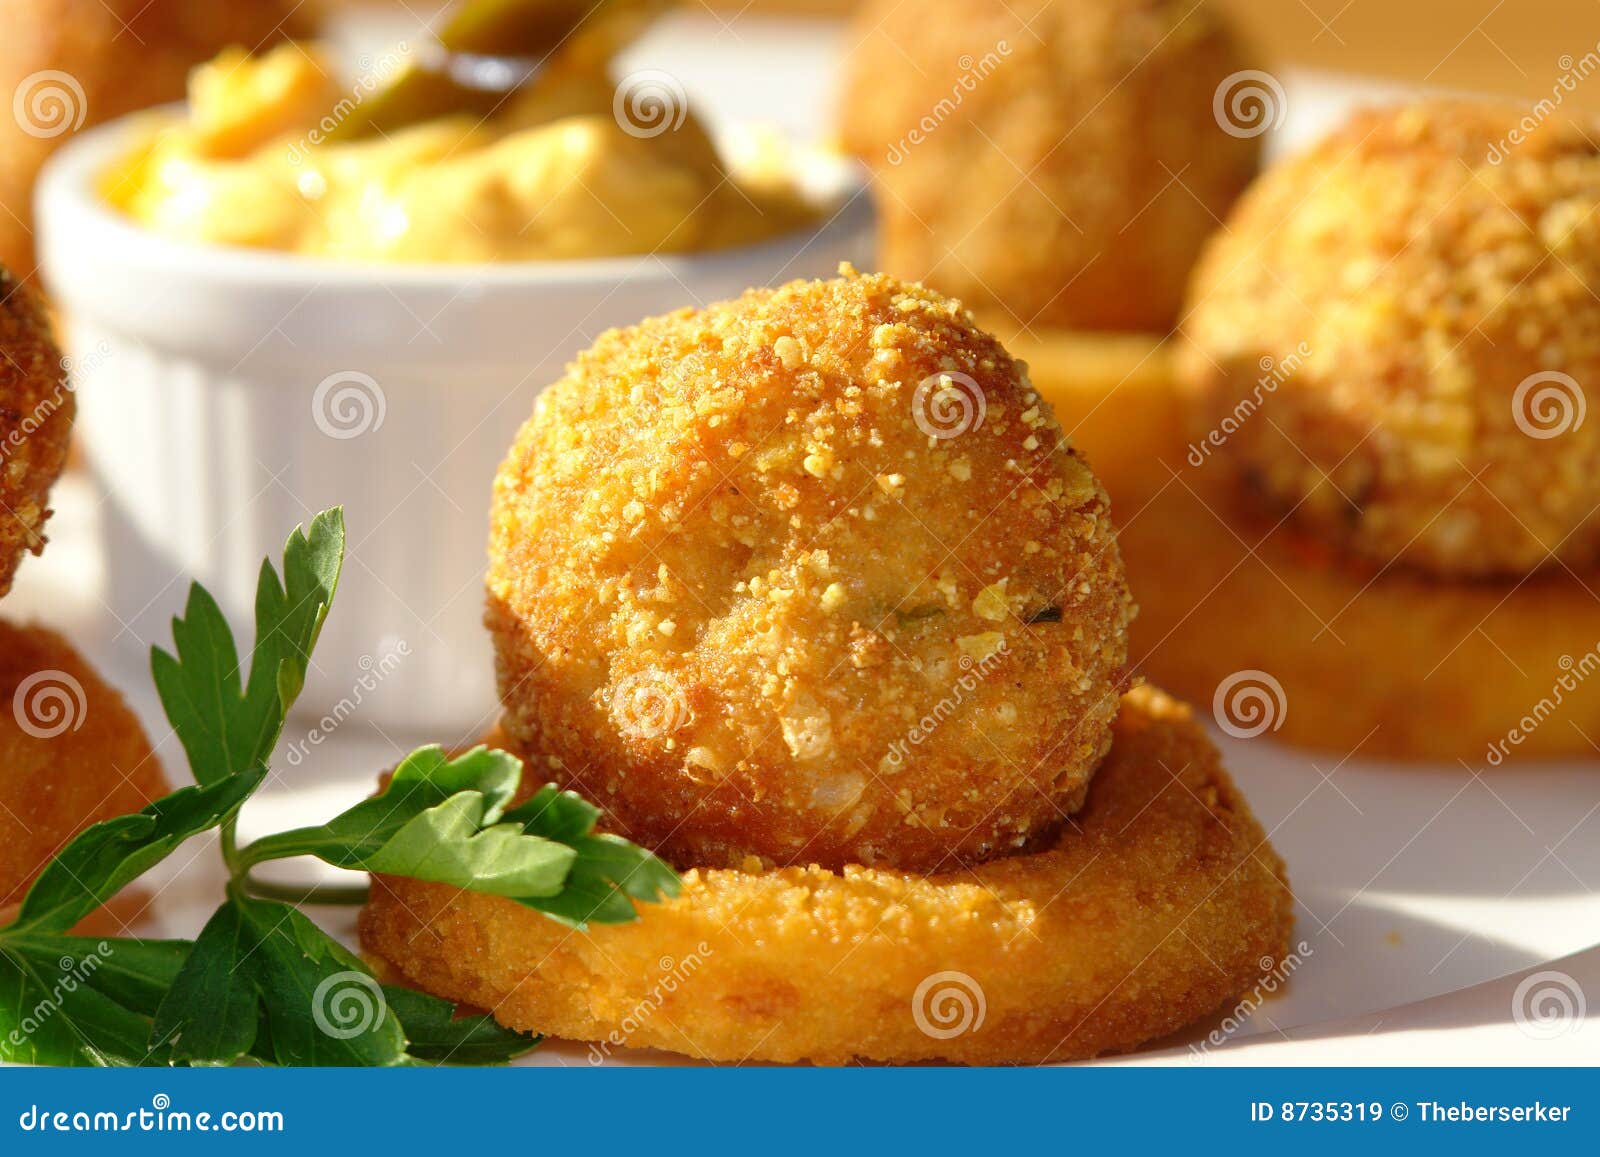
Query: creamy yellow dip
{"x": 554, "y": 174}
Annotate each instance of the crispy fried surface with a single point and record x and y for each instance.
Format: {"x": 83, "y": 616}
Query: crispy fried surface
{"x": 121, "y": 55}
{"x": 71, "y": 753}
{"x": 1160, "y": 901}
{"x": 1028, "y": 154}
{"x": 36, "y": 412}
{"x": 744, "y": 600}
{"x": 1401, "y": 664}
{"x": 1377, "y": 304}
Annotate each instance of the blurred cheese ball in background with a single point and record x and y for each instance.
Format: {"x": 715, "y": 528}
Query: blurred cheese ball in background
{"x": 69, "y": 64}
{"x": 1061, "y": 160}
{"x": 809, "y": 575}
{"x": 1411, "y": 308}
{"x": 71, "y": 754}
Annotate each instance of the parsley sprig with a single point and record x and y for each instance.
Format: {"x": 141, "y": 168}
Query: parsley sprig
{"x": 255, "y": 984}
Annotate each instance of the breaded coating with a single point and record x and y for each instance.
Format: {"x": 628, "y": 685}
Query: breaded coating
{"x": 1160, "y": 902}
{"x": 810, "y": 575}
{"x": 1397, "y": 330}
{"x": 1059, "y": 160}
{"x": 36, "y": 412}
{"x": 71, "y": 753}
{"x": 66, "y": 65}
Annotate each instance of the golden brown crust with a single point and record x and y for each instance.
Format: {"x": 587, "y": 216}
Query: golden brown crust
{"x": 71, "y": 753}
{"x": 1378, "y": 305}
{"x": 121, "y": 55}
{"x": 1158, "y": 903}
{"x": 754, "y": 589}
{"x": 36, "y": 412}
{"x": 1057, "y": 159}
{"x": 1401, "y": 664}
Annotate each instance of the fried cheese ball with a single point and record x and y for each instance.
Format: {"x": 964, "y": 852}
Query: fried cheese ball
{"x": 810, "y": 575}
{"x": 36, "y": 412}
{"x": 71, "y": 754}
{"x": 1394, "y": 334}
{"x": 1059, "y": 160}
{"x": 70, "y": 64}
{"x": 1160, "y": 903}
{"x": 1388, "y": 662}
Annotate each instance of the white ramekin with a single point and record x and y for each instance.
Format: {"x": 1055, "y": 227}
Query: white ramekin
{"x": 227, "y": 394}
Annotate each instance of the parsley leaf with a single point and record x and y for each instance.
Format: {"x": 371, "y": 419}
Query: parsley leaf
{"x": 211, "y": 1010}
{"x": 608, "y": 873}
{"x": 227, "y": 724}
{"x": 437, "y": 820}
{"x": 105, "y": 856}
{"x": 78, "y": 1001}
{"x": 443, "y": 820}
{"x": 435, "y": 1032}
{"x": 262, "y": 981}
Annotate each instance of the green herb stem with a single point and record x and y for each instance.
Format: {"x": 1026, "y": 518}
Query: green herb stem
{"x": 332, "y": 895}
